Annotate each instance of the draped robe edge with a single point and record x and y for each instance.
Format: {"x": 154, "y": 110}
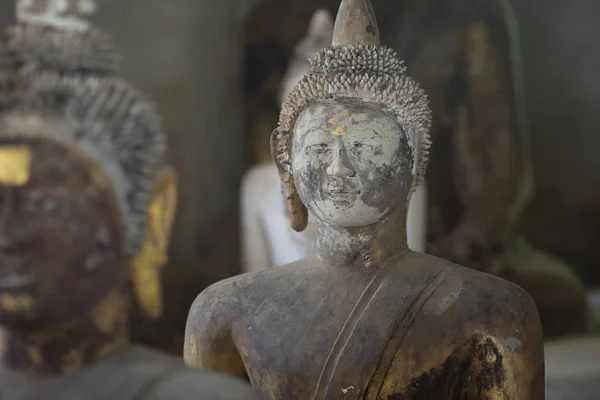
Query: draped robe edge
{"x": 380, "y": 298}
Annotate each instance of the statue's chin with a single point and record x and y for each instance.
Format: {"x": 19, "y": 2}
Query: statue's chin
{"x": 346, "y": 214}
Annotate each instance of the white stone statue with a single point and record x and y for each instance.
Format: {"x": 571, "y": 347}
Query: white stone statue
{"x": 267, "y": 238}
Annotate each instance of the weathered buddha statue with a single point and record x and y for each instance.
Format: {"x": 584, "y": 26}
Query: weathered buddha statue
{"x": 86, "y": 200}
{"x": 55, "y": 38}
{"x": 364, "y": 317}
{"x": 465, "y": 54}
{"x": 266, "y": 236}
{"x": 84, "y": 195}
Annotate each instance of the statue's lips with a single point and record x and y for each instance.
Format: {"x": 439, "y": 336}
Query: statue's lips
{"x": 16, "y": 281}
{"x": 13, "y": 277}
{"x": 340, "y": 192}
{"x": 340, "y": 185}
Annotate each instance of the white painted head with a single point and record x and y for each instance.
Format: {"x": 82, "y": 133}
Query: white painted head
{"x": 352, "y": 162}
{"x": 370, "y": 118}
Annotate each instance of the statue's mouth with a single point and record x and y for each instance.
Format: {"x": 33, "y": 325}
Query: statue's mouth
{"x": 337, "y": 189}
{"x": 340, "y": 194}
{"x": 15, "y": 274}
{"x": 16, "y": 281}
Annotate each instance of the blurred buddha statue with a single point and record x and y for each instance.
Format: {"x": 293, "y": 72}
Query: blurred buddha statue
{"x": 266, "y": 237}
{"x": 86, "y": 200}
{"x": 480, "y": 179}
{"x": 364, "y": 317}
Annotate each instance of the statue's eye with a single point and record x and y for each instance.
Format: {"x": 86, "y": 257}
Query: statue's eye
{"x": 321, "y": 148}
{"x": 357, "y": 145}
{"x": 43, "y": 203}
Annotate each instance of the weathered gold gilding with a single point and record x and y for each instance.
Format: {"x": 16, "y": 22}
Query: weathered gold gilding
{"x": 15, "y": 165}
{"x": 146, "y": 266}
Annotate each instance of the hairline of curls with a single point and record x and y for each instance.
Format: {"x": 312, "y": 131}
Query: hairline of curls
{"x": 369, "y": 73}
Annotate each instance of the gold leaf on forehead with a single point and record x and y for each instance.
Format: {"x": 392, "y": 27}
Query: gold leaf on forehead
{"x": 15, "y": 165}
{"x": 339, "y": 130}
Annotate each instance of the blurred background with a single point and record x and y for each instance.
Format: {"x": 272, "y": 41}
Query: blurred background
{"x": 214, "y": 69}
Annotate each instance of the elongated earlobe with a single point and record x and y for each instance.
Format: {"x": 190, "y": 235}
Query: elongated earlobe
{"x": 297, "y": 212}
{"x": 146, "y": 266}
{"x": 280, "y": 151}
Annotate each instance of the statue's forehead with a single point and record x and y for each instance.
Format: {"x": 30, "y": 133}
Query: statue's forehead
{"x": 336, "y": 120}
{"x": 330, "y": 112}
{"x": 339, "y": 108}
{"x": 15, "y": 165}
{"x": 21, "y": 163}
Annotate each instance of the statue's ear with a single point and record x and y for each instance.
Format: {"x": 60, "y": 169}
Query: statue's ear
{"x": 161, "y": 213}
{"x": 281, "y": 150}
{"x": 273, "y": 143}
{"x": 146, "y": 266}
{"x": 297, "y": 211}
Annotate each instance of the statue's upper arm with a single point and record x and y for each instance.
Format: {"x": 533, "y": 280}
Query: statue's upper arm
{"x": 197, "y": 343}
{"x": 509, "y": 355}
{"x": 208, "y": 338}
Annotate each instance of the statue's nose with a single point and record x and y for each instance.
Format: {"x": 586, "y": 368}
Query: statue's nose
{"x": 13, "y": 233}
{"x": 340, "y": 164}
{"x": 14, "y": 239}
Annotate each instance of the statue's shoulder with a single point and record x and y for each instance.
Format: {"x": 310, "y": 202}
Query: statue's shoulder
{"x": 233, "y": 295}
{"x": 217, "y": 297}
{"x": 493, "y": 292}
{"x": 490, "y": 297}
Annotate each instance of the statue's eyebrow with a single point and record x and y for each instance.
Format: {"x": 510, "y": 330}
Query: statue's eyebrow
{"x": 51, "y": 173}
{"x": 363, "y": 144}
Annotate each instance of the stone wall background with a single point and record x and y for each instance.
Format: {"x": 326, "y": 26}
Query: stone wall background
{"x": 188, "y": 56}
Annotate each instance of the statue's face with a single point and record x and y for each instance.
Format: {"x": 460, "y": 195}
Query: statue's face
{"x": 61, "y": 238}
{"x": 351, "y": 162}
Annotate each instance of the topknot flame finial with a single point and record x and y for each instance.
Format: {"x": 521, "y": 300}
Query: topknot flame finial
{"x": 61, "y": 14}
{"x": 356, "y": 24}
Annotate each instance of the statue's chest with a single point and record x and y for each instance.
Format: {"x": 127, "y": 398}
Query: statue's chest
{"x": 325, "y": 338}
{"x": 292, "y": 338}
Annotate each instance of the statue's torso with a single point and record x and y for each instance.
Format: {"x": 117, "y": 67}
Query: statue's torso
{"x": 135, "y": 373}
{"x": 305, "y": 328}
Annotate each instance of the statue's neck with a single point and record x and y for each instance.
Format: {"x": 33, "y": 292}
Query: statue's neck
{"x": 365, "y": 247}
{"x": 72, "y": 345}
